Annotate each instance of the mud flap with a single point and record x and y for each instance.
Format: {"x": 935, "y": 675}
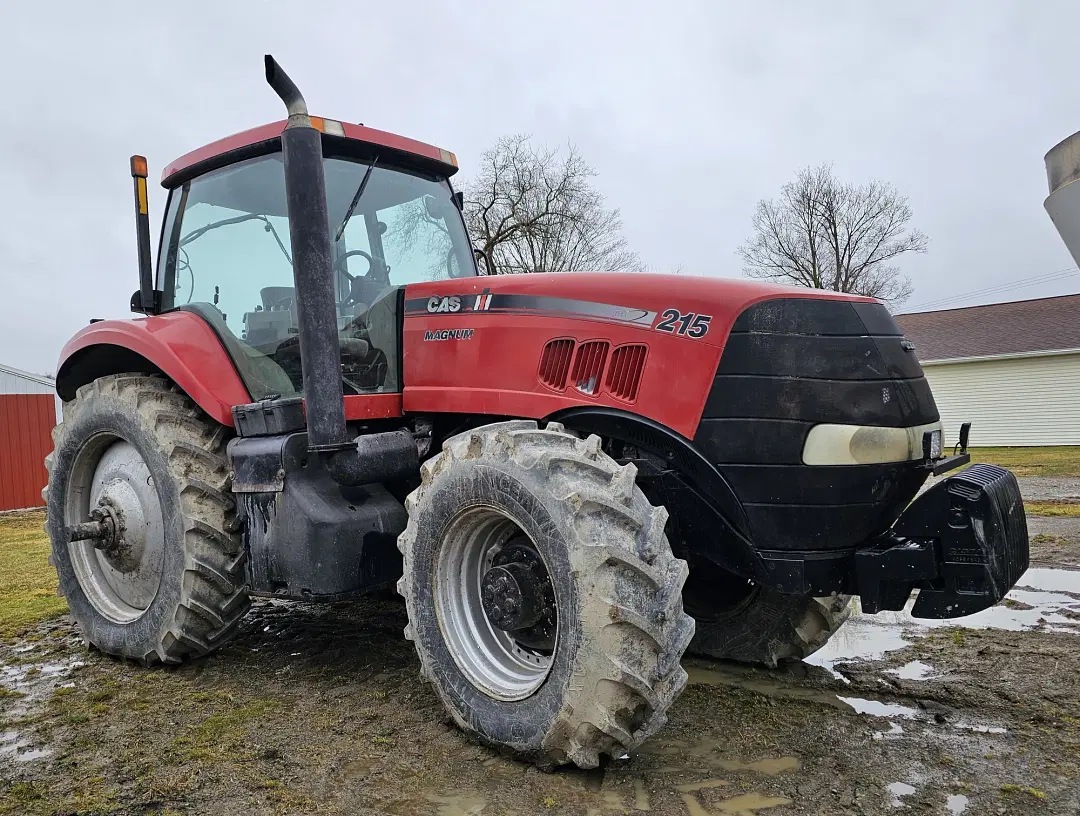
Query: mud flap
{"x": 963, "y": 543}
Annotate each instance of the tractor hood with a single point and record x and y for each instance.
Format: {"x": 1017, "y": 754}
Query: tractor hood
{"x": 742, "y": 371}
{"x": 531, "y": 345}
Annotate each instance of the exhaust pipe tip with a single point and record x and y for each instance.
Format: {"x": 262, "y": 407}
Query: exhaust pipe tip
{"x": 286, "y": 89}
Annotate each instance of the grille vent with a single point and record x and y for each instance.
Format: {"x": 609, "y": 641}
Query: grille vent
{"x": 589, "y": 365}
{"x": 624, "y": 373}
{"x": 555, "y": 363}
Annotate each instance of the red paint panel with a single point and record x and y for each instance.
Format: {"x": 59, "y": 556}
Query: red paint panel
{"x": 495, "y": 371}
{"x": 183, "y": 346}
{"x": 372, "y": 406}
{"x": 273, "y": 131}
{"x": 26, "y": 421}
{"x": 189, "y": 353}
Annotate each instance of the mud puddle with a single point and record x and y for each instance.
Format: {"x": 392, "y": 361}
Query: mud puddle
{"x": 956, "y": 804}
{"x": 915, "y": 670}
{"x": 28, "y": 683}
{"x": 30, "y": 676}
{"x": 12, "y": 746}
{"x": 1043, "y": 598}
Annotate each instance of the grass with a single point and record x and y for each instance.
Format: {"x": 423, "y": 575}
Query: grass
{"x": 88, "y": 797}
{"x": 27, "y": 582}
{"x": 1025, "y": 789}
{"x": 223, "y": 735}
{"x": 1053, "y": 508}
{"x": 1061, "y": 460}
{"x": 191, "y": 733}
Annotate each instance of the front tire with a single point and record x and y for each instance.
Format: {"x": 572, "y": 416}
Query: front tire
{"x": 597, "y": 675}
{"x": 750, "y": 623}
{"x": 171, "y": 587}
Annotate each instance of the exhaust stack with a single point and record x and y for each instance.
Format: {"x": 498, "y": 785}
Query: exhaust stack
{"x": 1063, "y": 203}
{"x": 373, "y": 457}
{"x": 313, "y": 271}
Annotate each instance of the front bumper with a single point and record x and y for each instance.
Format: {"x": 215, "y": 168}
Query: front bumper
{"x": 963, "y": 544}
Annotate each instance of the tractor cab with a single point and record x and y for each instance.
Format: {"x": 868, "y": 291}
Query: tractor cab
{"x": 225, "y": 253}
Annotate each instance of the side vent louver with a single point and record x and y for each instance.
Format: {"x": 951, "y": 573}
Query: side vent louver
{"x": 589, "y": 365}
{"x": 555, "y": 363}
{"x": 624, "y": 373}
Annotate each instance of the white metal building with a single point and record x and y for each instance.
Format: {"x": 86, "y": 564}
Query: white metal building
{"x": 1011, "y": 369}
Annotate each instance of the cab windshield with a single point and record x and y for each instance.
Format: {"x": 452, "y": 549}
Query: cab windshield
{"x": 226, "y": 254}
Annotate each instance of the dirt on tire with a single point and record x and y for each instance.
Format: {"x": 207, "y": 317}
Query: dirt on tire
{"x": 621, "y": 627}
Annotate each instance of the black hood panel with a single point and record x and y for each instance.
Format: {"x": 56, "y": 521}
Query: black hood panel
{"x": 793, "y": 363}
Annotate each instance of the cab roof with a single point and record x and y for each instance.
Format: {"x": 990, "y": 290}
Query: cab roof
{"x": 262, "y": 139}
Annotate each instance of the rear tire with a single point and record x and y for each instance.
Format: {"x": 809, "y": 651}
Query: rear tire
{"x": 619, "y": 631}
{"x": 757, "y": 624}
{"x": 175, "y": 588}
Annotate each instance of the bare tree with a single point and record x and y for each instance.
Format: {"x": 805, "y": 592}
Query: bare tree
{"x": 827, "y": 235}
{"x": 535, "y": 210}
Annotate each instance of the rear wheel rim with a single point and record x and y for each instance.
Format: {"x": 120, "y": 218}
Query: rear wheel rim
{"x": 489, "y": 658}
{"x": 122, "y": 583}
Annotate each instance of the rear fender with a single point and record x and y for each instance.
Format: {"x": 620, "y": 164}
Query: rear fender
{"x": 179, "y": 345}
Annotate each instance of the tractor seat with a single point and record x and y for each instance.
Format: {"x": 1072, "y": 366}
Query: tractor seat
{"x": 277, "y": 298}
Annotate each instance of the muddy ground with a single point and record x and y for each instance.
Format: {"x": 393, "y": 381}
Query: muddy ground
{"x": 319, "y": 709}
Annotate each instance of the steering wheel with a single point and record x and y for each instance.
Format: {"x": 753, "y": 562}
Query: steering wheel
{"x": 342, "y": 264}
{"x": 364, "y": 288}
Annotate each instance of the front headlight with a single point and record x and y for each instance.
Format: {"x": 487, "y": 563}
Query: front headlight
{"x": 868, "y": 444}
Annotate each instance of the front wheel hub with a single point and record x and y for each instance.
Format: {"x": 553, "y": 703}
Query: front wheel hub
{"x": 495, "y": 604}
{"x": 511, "y": 596}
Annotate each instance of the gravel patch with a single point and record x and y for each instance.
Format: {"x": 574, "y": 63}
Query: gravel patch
{"x": 1049, "y": 488}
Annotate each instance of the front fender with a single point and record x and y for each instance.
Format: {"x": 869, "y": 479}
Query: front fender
{"x": 710, "y": 517}
{"x": 179, "y": 345}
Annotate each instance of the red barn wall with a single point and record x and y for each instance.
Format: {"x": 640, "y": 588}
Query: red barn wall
{"x": 26, "y": 423}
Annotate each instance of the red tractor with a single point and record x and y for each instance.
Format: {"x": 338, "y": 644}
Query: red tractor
{"x": 564, "y": 474}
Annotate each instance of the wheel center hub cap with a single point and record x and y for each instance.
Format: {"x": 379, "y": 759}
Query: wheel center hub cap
{"x": 511, "y": 597}
{"x": 124, "y": 549}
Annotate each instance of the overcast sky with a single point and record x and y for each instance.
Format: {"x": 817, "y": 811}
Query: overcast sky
{"x": 690, "y": 112}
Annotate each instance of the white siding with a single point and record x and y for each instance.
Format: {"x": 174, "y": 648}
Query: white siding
{"x": 1023, "y": 401}
{"x": 16, "y": 384}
